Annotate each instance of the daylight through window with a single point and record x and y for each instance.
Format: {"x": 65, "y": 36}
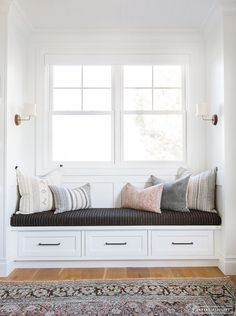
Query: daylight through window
{"x": 143, "y": 107}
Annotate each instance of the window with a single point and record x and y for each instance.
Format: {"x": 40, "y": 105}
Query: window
{"x": 81, "y": 108}
{"x": 153, "y": 113}
{"x": 117, "y": 114}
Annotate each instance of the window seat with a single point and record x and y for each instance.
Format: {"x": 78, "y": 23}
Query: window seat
{"x": 115, "y": 217}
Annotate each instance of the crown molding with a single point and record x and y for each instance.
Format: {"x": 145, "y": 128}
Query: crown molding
{"x": 4, "y": 6}
{"x": 150, "y": 36}
{"x": 228, "y": 7}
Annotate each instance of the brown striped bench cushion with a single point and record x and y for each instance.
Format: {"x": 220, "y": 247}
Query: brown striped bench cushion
{"x": 115, "y": 216}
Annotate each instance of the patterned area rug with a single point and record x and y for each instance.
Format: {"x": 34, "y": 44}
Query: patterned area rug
{"x": 176, "y": 297}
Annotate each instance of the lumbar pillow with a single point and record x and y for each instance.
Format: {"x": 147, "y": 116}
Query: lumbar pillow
{"x": 71, "y": 199}
{"x": 201, "y": 189}
{"x": 174, "y": 195}
{"x": 148, "y": 199}
{"x": 35, "y": 194}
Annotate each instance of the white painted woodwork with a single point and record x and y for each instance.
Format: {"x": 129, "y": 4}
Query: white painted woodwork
{"x": 182, "y": 244}
{"x": 116, "y": 244}
{"x": 49, "y": 245}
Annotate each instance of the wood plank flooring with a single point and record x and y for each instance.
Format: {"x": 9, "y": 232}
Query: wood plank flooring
{"x": 112, "y": 273}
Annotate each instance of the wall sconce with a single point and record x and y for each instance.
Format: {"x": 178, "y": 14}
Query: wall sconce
{"x": 30, "y": 109}
{"x": 201, "y": 110}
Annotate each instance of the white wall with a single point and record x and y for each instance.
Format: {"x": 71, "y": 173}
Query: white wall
{"x": 19, "y": 139}
{"x": 4, "y": 5}
{"x": 221, "y": 145}
{"x": 229, "y": 259}
{"x": 215, "y": 90}
{"x": 215, "y": 101}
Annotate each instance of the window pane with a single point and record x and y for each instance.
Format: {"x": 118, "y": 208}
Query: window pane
{"x": 167, "y": 99}
{"x": 67, "y": 76}
{"x": 97, "y": 99}
{"x": 167, "y": 76}
{"x": 137, "y": 99}
{"x": 97, "y": 76}
{"x": 81, "y": 138}
{"x": 153, "y": 137}
{"x": 138, "y": 76}
{"x": 67, "y": 99}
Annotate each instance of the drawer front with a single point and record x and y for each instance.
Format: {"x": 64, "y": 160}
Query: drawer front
{"x": 49, "y": 244}
{"x": 116, "y": 244}
{"x": 182, "y": 244}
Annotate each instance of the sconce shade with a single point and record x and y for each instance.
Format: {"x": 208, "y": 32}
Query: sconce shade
{"x": 201, "y": 109}
{"x": 30, "y": 109}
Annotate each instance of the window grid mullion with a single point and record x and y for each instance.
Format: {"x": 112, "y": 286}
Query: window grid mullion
{"x": 82, "y": 88}
{"x": 81, "y": 112}
{"x": 51, "y": 89}
{"x": 181, "y": 112}
{"x": 155, "y": 88}
{"x": 152, "y": 88}
{"x": 117, "y": 94}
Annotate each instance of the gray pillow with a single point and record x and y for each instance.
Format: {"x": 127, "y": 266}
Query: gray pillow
{"x": 174, "y": 194}
{"x": 71, "y": 199}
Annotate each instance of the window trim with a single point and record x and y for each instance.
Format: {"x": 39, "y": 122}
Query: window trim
{"x": 44, "y": 128}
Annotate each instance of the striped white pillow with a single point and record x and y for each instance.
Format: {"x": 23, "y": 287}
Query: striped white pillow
{"x": 35, "y": 194}
{"x": 71, "y": 199}
{"x": 201, "y": 189}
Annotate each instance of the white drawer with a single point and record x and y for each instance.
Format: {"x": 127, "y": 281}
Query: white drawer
{"x": 182, "y": 244}
{"x": 49, "y": 244}
{"x": 116, "y": 244}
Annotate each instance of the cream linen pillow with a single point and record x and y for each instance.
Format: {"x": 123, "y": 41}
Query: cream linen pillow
{"x": 35, "y": 194}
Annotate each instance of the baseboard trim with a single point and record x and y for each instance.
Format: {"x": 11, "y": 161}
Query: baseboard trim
{"x": 116, "y": 264}
{"x": 6, "y": 267}
{"x": 228, "y": 266}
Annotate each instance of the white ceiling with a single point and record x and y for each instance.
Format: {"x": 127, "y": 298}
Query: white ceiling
{"x": 75, "y": 14}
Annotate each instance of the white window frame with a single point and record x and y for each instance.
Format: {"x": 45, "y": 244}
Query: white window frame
{"x": 183, "y": 113}
{"x": 44, "y": 161}
{"x": 52, "y": 112}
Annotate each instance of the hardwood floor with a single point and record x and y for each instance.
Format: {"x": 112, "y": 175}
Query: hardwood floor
{"x": 112, "y": 273}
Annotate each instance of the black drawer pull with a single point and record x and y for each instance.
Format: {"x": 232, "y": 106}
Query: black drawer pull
{"x": 182, "y": 243}
{"x": 41, "y": 244}
{"x": 115, "y": 243}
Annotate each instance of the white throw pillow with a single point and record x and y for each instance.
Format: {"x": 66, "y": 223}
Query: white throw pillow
{"x": 35, "y": 194}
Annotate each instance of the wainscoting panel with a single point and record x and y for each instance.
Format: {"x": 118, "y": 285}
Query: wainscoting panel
{"x": 102, "y": 193}
{"x": 106, "y": 190}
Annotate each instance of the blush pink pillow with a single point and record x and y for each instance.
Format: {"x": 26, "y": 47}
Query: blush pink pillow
{"x": 148, "y": 199}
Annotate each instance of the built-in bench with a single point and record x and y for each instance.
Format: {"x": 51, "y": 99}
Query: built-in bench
{"x": 115, "y": 237}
